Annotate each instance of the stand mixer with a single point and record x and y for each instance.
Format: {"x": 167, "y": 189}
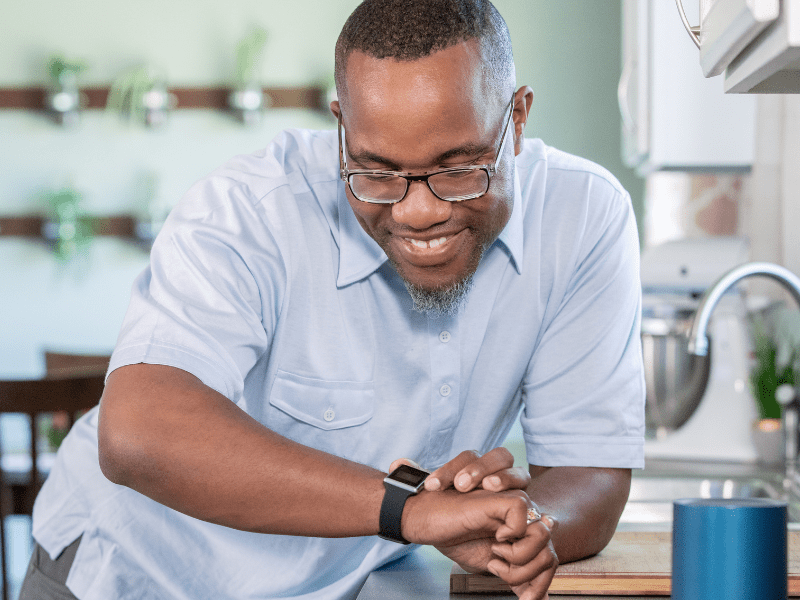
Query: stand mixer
{"x": 698, "y": 409}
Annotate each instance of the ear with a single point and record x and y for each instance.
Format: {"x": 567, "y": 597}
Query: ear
{"x": 335, "y": 108}
{"x": 523, "y": 99}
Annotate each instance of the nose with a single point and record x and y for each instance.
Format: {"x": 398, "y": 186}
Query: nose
{"x": 421, "y": 209}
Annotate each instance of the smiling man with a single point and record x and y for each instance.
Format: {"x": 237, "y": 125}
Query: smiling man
{"x": 388, "y": 296}
{"x": 447, "y": 117}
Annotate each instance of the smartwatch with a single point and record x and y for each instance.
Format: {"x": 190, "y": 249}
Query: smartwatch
{"x": 401, "y": 483}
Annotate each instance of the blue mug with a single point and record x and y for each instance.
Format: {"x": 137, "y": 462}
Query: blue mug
{"x": 729, "y": 549}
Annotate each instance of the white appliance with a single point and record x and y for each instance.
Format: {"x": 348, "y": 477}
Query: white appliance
{"x": 676, "y": 274}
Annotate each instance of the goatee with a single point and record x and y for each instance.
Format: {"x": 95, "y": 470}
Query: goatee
{"x": 440, "y": 302}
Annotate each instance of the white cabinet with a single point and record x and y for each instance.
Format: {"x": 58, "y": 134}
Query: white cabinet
{"x": 764, "y": 62}
{"x": 672, "y": 117}
{"x": 755, "y": 42}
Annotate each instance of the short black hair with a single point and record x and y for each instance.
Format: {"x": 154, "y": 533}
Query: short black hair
{"x": 408, "y": 30}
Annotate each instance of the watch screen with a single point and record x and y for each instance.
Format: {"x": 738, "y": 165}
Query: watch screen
{"x": 408, "y": 475}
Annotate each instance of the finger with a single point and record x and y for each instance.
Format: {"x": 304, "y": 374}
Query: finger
{"x": 515, "y": 478}
{"x": 468, "y": 470}
{"x": 544, "y": 563}
{"x": 444, "y": 477}
{"x": 403, "y": 461}
{"x": 531, "y": 592}
{"x": 472, "y": 475}
{"x": 514, "y": 521}
{"x": 523, "y": 548}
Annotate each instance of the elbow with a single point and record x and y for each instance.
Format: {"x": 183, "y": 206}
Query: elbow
{"x": 114, "y": 451}
{"x": 110, "y": 464}
{"x": 617, "y": 489}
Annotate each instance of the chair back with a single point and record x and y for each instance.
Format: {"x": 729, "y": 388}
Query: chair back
{"x": 72, "y": 384}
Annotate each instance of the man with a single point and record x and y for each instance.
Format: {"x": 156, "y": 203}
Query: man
{"x": 390, "y": 293}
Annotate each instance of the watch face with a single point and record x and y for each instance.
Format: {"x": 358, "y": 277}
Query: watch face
{"x": 408, "y": 475}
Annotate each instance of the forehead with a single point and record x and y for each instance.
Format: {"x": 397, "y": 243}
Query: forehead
{"x": 419, "y": 107}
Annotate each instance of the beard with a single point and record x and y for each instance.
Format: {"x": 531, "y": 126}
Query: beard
{"x": 439, "y": 302}
{"x": 445, "y": 300}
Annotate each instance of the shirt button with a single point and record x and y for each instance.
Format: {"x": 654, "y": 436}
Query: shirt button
{"x": 329, "y": 415}
{"x": 444, "y": 337}
{"x": 445, "y": 390}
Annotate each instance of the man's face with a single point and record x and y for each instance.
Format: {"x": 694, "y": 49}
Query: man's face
{"x": 419, "y": 116}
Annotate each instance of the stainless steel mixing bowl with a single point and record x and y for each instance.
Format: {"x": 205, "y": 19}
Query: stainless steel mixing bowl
{"x": 674, "y": 385}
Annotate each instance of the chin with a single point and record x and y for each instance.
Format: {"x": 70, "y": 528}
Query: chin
{"x": 442, "y": 301}
{"x": 434, "y": 296}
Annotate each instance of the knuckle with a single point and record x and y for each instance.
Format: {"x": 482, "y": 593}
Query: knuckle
{"x": 523, "y": 473}
{"x": 520, "y": 496}
{"x": 554, "y": 562}
{"x": 504, "y": 453}
{"x": 470, "y": 454}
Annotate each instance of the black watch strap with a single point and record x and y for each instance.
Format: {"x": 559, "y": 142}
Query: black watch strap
{"x": 394, "y": 500}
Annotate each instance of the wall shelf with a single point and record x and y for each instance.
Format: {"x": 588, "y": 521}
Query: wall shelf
{"x": 214, "y": 98}
{"x": 33, "y": 226}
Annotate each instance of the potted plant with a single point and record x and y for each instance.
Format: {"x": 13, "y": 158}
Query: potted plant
{"x": 771, "y": 378}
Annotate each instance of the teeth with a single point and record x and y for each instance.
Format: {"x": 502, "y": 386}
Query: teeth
{"x": 431, "y": 244}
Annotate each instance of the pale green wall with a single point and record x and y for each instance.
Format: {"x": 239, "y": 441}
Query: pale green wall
{"x": 567, "y": 50}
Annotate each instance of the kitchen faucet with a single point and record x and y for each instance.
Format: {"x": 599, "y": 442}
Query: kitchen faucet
{"x": 699, "y": 344}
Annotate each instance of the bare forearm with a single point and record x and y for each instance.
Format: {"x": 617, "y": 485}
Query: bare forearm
{"x": 587, "y": 502}
{"x": 166, "y": 435}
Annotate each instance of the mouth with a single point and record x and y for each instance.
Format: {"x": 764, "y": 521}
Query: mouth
{"x": 427, "y": 244}
{"x": 429, "y": 252}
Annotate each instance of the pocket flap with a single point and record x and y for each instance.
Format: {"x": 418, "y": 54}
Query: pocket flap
{"x": 324, "y": 404}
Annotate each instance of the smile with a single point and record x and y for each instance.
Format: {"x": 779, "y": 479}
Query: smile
{"x": 427, "y": 253}
{"x": 429, "y": 244}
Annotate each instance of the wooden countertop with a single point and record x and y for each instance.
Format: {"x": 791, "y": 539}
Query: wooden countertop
{"x": 634, "y": 565}
{"x": 425, "y": 575}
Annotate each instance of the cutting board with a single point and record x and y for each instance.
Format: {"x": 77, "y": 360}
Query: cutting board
{"x": 635, "y": 563}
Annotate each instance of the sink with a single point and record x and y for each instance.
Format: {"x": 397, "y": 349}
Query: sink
{"x": 654, "y": 489}
{"x": 651, "y": 497}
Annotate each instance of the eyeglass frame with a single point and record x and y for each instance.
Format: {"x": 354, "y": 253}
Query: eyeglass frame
{"x": 490, "y": 169}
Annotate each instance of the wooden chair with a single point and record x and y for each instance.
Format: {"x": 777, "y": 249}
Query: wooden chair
{"x": 73, "y": 384}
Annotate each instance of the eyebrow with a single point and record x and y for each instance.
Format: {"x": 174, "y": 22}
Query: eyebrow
{"x": 467, "y": 151}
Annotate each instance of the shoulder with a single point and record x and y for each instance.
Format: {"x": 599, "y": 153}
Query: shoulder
{"x": 298, "y": 170}
{"x": 553, "y": 170}
{"x": 297, "y": 159}
{"x": 572, "y": 209}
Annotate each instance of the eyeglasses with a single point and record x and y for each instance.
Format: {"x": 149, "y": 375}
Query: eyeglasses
{"x": 453, "y": 184}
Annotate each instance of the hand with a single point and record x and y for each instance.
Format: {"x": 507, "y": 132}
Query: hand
{"x": 494, "y": 471}
{"x": 528, "y": 564}
{"x": 449, "y": 517}
{"x": 490, "y": 528}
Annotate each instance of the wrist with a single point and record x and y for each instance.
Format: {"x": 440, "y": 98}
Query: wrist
{"x": 410, "y": 522}
{"x": 400, "y": 485}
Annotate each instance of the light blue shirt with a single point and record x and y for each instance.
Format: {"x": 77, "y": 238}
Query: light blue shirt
{"x": 263, "y": 285}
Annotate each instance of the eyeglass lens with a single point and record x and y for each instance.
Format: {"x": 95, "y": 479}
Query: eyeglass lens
{"x": 450, "y": 185}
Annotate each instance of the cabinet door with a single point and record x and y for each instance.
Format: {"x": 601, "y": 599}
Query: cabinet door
{"x": 693, "y": 124}
{"x": 727, "y": 26}
{"x": 633, "y": 84}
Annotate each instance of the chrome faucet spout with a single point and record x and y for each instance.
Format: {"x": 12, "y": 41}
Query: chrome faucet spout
{"x": 698, "y": 339}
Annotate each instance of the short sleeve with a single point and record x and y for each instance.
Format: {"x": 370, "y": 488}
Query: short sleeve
{"x": 583, "y": 392}
{"x": 197, "y": 306}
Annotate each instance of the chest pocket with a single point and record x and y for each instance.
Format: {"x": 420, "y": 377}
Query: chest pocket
{"x": 332, "y": 416}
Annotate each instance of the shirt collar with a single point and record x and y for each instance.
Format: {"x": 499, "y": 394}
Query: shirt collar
{"x": 360, "y": 255}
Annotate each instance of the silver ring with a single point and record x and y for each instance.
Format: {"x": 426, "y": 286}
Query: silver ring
{"x": 533, "y": 515}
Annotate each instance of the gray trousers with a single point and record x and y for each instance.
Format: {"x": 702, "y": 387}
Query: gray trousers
{"x": 46, "y": 578}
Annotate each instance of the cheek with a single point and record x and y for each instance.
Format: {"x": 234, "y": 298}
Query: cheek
{"x": 368, "y": 215}
{"x": 497, "y": 212}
